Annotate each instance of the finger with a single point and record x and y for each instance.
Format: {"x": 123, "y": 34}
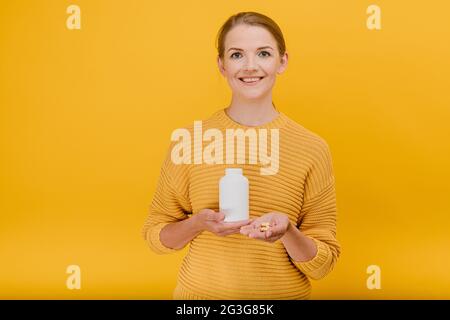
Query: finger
{"x": 210, "y": 215}
{"x": 276, "y": 229}
{"x": 257, "y": 235}
{"x": 233, "y": 231}
{"x": 258, "y": 223}
{"x": 215, "y": 216}
{"x": 236, "y": 224}
{"x": 251, "y": 229}
{"x": 230, "y": 231}
{"x": 245, "y": 232}
{"x": 220, "y": 216}
{"x": 274, "y": 232}
{"x": 249, "y": 221}
{"x": 247, "y": 228}
{"x": 262, "y": 236}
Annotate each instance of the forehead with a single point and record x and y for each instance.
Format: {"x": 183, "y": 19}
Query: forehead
{"x": 248, "y": 37}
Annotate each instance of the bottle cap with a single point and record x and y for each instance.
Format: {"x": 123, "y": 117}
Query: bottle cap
{"x": 233, "y": 171}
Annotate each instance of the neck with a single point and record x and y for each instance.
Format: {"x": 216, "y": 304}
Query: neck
{"x": 252, "y": 112}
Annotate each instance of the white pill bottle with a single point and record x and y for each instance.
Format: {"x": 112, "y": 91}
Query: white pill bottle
{"x": 233, "y": 195}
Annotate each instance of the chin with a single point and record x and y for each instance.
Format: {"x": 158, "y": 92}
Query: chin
{"x": 256, "y": 95}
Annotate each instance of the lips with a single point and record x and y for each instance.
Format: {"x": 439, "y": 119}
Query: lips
{"x": 254, "y": 80}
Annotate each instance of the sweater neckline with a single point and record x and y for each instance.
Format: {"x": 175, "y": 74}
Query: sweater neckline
{"x": 277, "y": 122}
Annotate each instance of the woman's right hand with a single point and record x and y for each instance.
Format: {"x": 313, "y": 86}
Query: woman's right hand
{"x": 212, "y": 221}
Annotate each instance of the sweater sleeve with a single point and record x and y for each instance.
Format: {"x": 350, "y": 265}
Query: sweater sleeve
{"x": 169, "y": 205}
{"x": 318, "y": 216}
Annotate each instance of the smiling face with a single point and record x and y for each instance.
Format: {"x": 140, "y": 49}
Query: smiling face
{"x": 251, "y": 61}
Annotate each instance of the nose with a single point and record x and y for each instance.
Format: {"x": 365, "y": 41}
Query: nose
{"x": 250, "y": 64}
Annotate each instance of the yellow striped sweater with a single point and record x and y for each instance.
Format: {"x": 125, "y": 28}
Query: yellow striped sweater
{"x": 235, "y": 266}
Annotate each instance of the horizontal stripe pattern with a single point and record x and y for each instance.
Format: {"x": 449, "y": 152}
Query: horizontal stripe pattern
{"x": 235, "y": 266}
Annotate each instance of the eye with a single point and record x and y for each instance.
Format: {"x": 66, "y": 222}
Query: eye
{"x": 266, "y": 54}
{"x": 234, "y": 54}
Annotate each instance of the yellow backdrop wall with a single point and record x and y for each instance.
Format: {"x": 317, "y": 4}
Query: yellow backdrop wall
{"x": 86, "y": 117}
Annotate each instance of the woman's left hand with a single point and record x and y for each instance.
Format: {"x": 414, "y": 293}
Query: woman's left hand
{"x": 278, "y": 226}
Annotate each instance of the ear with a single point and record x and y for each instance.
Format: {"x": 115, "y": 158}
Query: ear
{"x": 283, "y": 63}
{"x": 221, "y": 66}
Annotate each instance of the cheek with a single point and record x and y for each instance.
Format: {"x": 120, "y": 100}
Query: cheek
{"x": 271, "y": 70}
{"x": 231, "y": 68}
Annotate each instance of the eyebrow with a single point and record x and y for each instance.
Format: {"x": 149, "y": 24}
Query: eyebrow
{"x": 238, "y": 49}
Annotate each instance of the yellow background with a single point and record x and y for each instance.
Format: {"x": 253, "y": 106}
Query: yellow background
{"x": 86, "y": 117}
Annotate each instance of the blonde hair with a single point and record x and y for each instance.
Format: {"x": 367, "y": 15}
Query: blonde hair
{"x": 253, "y": 19}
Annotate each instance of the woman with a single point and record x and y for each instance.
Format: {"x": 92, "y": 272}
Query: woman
{"x": 242, "y": 260}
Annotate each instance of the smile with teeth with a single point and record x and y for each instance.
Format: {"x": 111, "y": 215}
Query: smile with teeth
{"x": 251, "y": 80}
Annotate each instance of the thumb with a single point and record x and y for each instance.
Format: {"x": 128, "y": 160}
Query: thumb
{"x": 220, "y": 216}
{"x": 214, "y": 216}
